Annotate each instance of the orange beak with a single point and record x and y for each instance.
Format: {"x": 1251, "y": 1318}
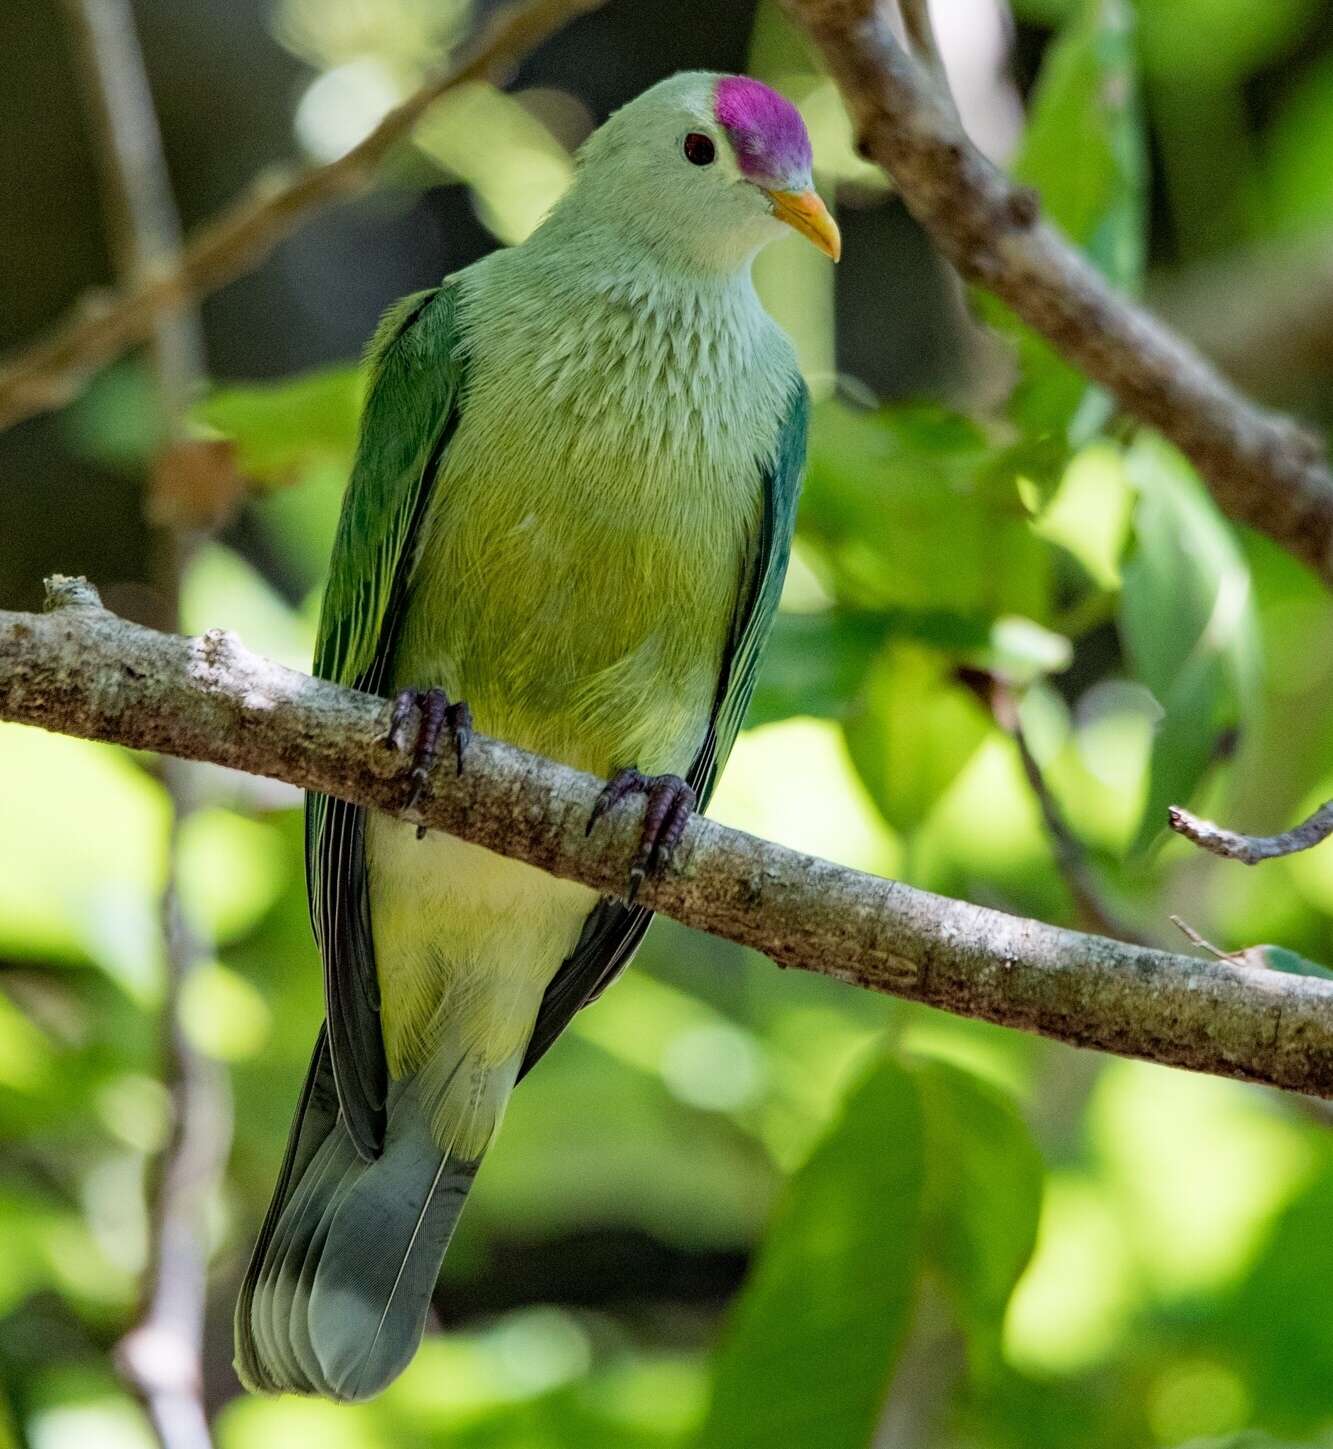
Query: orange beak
{"x": 806, "y": 213}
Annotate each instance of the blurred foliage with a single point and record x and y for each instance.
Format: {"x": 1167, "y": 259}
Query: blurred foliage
{"x": 736, "y": 1207}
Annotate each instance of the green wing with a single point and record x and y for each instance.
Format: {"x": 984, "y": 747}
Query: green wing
{"x": 759, "y": 604}
{"x": 613, "y": 931}
{"x": 411, "y": 410}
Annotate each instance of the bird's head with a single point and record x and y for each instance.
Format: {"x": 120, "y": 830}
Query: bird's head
{"x": 704, "y": 168}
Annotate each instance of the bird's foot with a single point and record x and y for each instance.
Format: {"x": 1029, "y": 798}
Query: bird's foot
{"x": 438, "y": 718}
{"x": 670, "y": 804}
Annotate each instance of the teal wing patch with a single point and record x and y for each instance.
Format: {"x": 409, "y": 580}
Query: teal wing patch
{"x": 613, "y": 931}
{"x": 411, "y": 411}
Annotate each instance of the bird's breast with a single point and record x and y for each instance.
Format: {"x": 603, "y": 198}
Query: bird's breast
{"x": 577, "y": 587}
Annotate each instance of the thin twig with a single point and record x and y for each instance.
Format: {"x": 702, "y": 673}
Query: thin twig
{"x": 51, "y": 371}
{"x": 1071, "y": 857}
{"x": 144, "y": 229}
{"x": 161, "y": 1356}
{"x": 1190, "y": 934}
{"x": 83, "y": 671}
{"x": 1251, "y": 849}
{"x": 1263, "y": 469}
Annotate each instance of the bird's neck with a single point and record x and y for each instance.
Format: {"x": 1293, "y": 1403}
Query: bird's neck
{"x": 622, "y": 272}
{"x": 597, "y": 226}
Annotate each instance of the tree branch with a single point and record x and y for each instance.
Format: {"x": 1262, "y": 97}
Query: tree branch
{"x": 161, "y": 1355}
{"x": 49, "y": 373}
{"x": 1251, "y": 849}
{"x": 920, "y": 31}
{"x": 82, "y": 671}
{"x": 1263, "y": 469}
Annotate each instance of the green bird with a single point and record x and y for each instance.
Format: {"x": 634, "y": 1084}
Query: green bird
{"x": 571, "y": 506}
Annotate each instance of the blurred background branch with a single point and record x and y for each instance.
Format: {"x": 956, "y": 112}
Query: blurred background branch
{"x": 49, "y": 372}
{"x": 83, "y": 671}
{"x": 161, "y": 1355}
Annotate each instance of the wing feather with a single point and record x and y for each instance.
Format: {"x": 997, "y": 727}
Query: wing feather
{"x": 411, "y": 412}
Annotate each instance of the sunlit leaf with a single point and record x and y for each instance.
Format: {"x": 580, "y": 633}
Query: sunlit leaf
{"x": 812, "y": 1342}
{"x": 230, "y": 870}
{"x": 82, "y": 855}
{"x": 815, "y": 662}
{"x": 909, "y": 510}
{"x": 283, "y": 429}
{"x": 223, "y": 1014}
{"x": 913, "y": 730}
{"x": 1089, "y": 512}
{"x": 1188, "y": 625}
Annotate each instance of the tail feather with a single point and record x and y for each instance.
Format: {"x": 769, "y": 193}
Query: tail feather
{"x": 284, "y": 1308}
{"x": 368, "y": 1310}
{"x": 316, "y": 1119}
{"x": 335, "y": 1299}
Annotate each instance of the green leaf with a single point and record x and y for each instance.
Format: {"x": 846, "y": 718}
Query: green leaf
{"x": 815, "y": 662}
{"x": 983, "y": 1198}
{"x": 1298, "y": 157}
{"x": 117, "y": 421}
{"x": 912, "y": 731}
{"x": 813, "y": 1339}
{"x": 1218, "y": 42}
{"x": 1083, "y": 147}
{"x": 284, "y": 429}
{"x": 1187, "y": 622}
{"x": 908, "y": 510}
{"x": 1083, "y": 151}
{"x": 1089, "y": 513}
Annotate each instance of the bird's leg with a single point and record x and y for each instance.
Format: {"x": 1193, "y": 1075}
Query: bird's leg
{"x": 438, "y": 717}
{"x": 670, "y": 803}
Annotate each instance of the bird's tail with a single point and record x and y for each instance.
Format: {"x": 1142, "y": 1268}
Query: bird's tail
{"x": 334, "y": 1301}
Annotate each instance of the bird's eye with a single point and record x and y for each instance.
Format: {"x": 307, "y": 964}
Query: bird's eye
{"x": 699, "y": 149}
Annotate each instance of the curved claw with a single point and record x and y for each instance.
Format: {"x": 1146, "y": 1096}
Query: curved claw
{"x": 626, "y": 782}
{"x": 437, "y": 715}
{"x": 670, "y": 804}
